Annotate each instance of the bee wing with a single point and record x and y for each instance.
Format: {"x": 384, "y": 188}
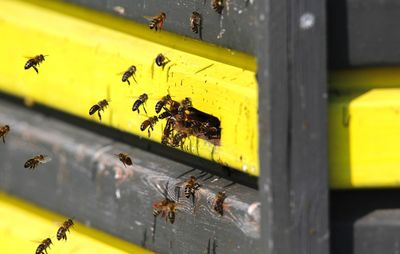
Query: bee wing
{"x": 46, "y": 159}
{"x": 28, "y": 57}
{"x": 150, "y": 17}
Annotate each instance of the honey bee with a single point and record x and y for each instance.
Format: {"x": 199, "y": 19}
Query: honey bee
{"x": 62, "y": 231}
{"x": 130, "y": 72}
{"x": 3, "y": 132}
{"x": 169, "y": 127}
{"x": 140, "y": 101}
{"x": 164, "y": 114}
{"x": 191, "y": 187}
{"x": 218, "y": 204}
{"x": 156, "y": 22}
{"x": 161, "y": 103}
{"x": 165, "y": 207}
{"x": 100, "y": 106}
{"x": 217, "y": 5}
{"x": 34, "y": 62}
{"x": 161, "y": 60}
{"x": 42, "y": 248}
{"x": 35, "y": 161}
{"x": 125, "y": 159}
{"x": 195, "y": 22}
{"x": 179, "y": 139}
{"x": 149, "y": 124}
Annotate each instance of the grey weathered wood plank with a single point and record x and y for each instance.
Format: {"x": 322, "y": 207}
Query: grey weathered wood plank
{"x": 293, "y": 141}
{"x": 84, "y": 180}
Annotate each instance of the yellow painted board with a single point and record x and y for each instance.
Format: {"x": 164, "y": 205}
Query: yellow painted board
{"x": 22, "y": 224}
{"x": 363, "y": 79}
{"x": 364, "y": 138}
{"x": 85, "y": 59}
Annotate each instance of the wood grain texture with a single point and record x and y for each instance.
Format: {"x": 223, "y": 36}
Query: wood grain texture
{"x": 293, "y": 100}
{"x": 233, "y": 29}
{"x": 84, "y": 180}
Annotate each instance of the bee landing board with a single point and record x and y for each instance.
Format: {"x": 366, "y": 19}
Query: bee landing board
{"x": 81, "y": 70}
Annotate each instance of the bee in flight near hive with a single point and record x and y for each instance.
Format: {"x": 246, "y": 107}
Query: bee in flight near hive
{"x": 3, "y": 132}
{"x": 156, "y": 22}
{"x": 124, "y": 158}
{"x": 100, "y": 106}
{"x": 161, "y": 60}
{"x": 62, "y": 231}
{"x": 195, "y": 22}
{"x": 42, "y": 248}
{"x": 34, "y": 62}
{"x": 217, "y": 5}
{"x": 130, "y": 72}
{"x": 218, "y": 203}
{"x": 140, "y": 101}
{"x": 149, "y": 124}
{"x": 35, "y": 161}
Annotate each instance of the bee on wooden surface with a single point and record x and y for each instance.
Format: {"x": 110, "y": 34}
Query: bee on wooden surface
{"x": 3, "y": 132}
{"x": 34, "y": 62}
{"x": 165, "y": 207}
{"x": 62, "y": 231}
{"x": 130, "y": 72}
{"x": 179, "y": 139}
{"x": 217, "y": 5}
{"x": 100, "y": 106}
{"x": 35, "y": 161}
{"x": 195, "y": 22}
{"x": 218, "y": 204}
{"x": 140, "y": 101}
{"x": 125, "y": 159}
{"x": 161, "y": 60}
{"x": 162, "y": 103}
{"x": 149, "y": 124}
{"x": 156, "y": 22}
{"x": 191, "y": 187}
{"x": 42, "y": 248}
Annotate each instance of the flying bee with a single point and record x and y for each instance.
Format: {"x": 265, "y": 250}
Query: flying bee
{"x": 156, "y": 22}
{"x": 62, "y": 231}
{"x": 3, "y": 132}
{"x": 100, "y": 106}
{"x": 195, "y": 22}
{"x": 217, "y": 5}
{"x": 161, "y": 103}
{"x": 34, "y": 62}
{"x": 42, "y": 248}
{"x": 130, "y": 72}
{"x": 218, "y": 204}
{"x": 167, "y": 209}
{"x": 35, "y": 161}
{"x": 140, "y": 101}
{"x": 149, "y": 124}
{"x": 161, "y": 60}
{"x": 124, "y": 158}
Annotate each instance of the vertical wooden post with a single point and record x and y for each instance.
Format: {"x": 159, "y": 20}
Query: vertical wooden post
{"x": 291, "y": 52}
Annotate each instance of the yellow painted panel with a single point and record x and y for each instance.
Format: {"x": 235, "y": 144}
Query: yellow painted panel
{"x": 362, "y": 79}
{"x": 85, "y": 58}
{"x": 22, "y": 224}
{"x": 366, "y": 153}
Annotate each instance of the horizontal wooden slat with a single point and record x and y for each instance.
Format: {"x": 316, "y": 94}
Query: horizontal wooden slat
{"x": 361, "y": 32}
{"x": 17, "y": 237}
{"x": 363, "y": 140}
{"x": 84, "y": 59}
